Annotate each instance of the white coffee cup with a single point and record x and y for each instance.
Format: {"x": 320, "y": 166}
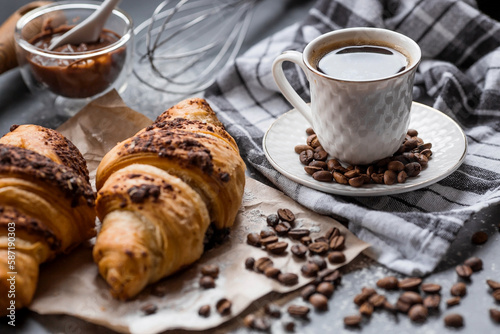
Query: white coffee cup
{"x": 357, "y": 122}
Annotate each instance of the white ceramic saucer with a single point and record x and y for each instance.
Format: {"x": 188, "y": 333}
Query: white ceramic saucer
{"x": 449, "y": 147}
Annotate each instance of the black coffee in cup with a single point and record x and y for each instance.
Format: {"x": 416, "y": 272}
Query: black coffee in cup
{"x": 360, "y": 62}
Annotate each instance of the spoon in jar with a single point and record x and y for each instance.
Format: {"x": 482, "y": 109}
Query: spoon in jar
{"x": 89, "y": 29}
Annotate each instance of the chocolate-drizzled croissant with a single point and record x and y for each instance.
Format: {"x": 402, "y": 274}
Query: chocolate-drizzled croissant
{"x": 46, "y": 205}
{"x": 159, "y": 191}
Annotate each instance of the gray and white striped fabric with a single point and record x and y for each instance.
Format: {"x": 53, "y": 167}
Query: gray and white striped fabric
{"x": 459, "y": 75}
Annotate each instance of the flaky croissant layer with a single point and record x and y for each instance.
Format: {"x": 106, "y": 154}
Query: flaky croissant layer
{"x": 158, "y": 192}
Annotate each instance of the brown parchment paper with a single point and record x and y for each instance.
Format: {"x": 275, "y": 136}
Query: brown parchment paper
{"x": 71, "y": 284}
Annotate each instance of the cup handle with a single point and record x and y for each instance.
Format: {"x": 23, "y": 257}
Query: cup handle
{"x": 285, "y": 87}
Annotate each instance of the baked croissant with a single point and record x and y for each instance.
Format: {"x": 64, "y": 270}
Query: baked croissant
{"x": 46, "y": 204}
{"x": 159, "y": 191}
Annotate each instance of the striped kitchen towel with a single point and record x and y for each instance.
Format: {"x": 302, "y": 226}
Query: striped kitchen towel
{"x": 459, "y": 75}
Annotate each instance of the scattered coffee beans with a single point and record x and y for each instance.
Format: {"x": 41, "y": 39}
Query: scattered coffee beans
{"x": 453, "y": 301}
{"x": 493, "y": 284}
{"x": 299, "y": 311}
{"x": 286, "y": 215}
{"x": 249, "y": 263}
{"x": 388, "y": 283}
{"x": 408, "y": 161}
{"x": 495, "y": 315}
{"x": 307, "y": 292}
{"x": 336, "y": 257}
{"x": 272, "y": 272}
{"x": 475, "y": 263}
{"x": 432, "y": 301}
{"x": 418, "y": 313}
{"x": 309, "y": 269}
{"x": 318, "y": 247}
{"x": 352, "y": 320}
{"x": 277, "y": 247}
{"x": 326, "y": 289}
{"x": 430, "y": 288}
{"x": 272, "y": 220}
{"x": 496, "y": 295}
{"x": 299, "y": 250}
{"x": 454, "y": 320}
{"x": 288, "y": 279}
{"x": 377, "y": 300}
{"x": 207, "y": 282}
{"x": 458, "y": 289}
{"x": 318, "y": 301}
{"x": 210, "y": 270}
{"x": 204, "y": 311}
{"x": 463, "y": 271}
{"x": 149, "y": 309}
{"x": 411, "y": 283}
{"x": 479, "y": 238}
{"x": 223, "y": 306}
{"x": 366, "y": 309}
{"x": 253, "y": 239}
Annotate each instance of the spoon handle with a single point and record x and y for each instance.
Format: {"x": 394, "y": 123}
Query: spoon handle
{"x": 8, "y": 58}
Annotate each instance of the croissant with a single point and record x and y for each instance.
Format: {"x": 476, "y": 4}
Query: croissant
{"x": 47, "y": 207}
{"x": 158, "y": 193}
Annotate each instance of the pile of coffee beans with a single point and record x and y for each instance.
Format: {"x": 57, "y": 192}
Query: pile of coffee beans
{"x": 408, "y": 161}
{"x": 209, "y": 273}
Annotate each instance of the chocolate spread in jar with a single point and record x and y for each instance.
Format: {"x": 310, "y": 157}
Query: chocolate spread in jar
{"x": 82, "y": 77}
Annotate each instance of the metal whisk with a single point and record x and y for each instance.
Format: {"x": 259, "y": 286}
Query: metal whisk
{"x": 185, "y": 43}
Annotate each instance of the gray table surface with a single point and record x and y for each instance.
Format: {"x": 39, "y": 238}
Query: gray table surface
{"x": 18, "y": 105}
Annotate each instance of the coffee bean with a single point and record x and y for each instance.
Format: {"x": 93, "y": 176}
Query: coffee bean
{"x": 432, "y": 301}
{"x": 453, "y": 301}
{"x": 305, "y": 157}
{"x": 402, "y": 306}
{"x": 413, "y": 169}
{"x": 331, "y": 276}
{"x": 458, "y": 289}
{"x": 286, "y": 215}
{"x": 268, "y": 232}
{"x": 262, "y": 263}
{"x": 210, "y": 270}
{"x": 149, "y": 309}
{"x": 310, "y": 131}
{"x": 320, "y": 164}
{"x": 272, "y": 310}
{"x": 402, "y": 176}
{"x": 309, "y": 269}
{"x": 493, "y": 284}
{"x": 340, "y": 178}
{"x": 269, "y": 240}
{"x": 411, "y": 297}
{"x": 299, "y": 250}
{"x": 318, "y": 247}
{"x": 307, "y": 291}
{"x": 479, "y": 238}
{"x": 395, "y": 166}
{"x": 207, "y": 282}
{"x": 333, "y": 164}
{"x": 204, "y": 311}
{"x": 253, "y": 239}
{"x": 323, "y": 176}
{"x": 390, "y": 177}
{"x": 337, "y": 243}
{"x": 463, "y": 271}
{"x": 336, "y": 257}
{"x": 431, "y": 288}
{"x": 306, "y": 240}
{"x": 289, "y": 326}
{"x": 418, "y": 313}
{"x": 249, "y": 262}
{"x": 366, "y": 309}
{"x": 495, "y": 315}
{"x": 427, "y": 153}
{"x": 249, "y": 320}
{"x": 313, "y": 141}
{"x": 426, "y": 146}
{"x": 272, "y": 272}
{"x": 475, "y": 263}
{"x": 277, "y": 247}
{"x": 223, "y": 306}
{"x": 388, "y": 283}
{"x": 298, "y": 233}
{"x": 288, "y": 279}
{"x": 302, "y": 148}
{"x": 410, "y": 144}
{"x": 377, "y": 300}
{"x": 321, "y": 239}
{"x": 496, "y": 295}
{"x": 363, "y": 297}
{"x": 411, "y": 283}
{"x": 412, "y": 132}
{"x": 454, "y": 320}
{"x": 352, "y": 320}
{"x": 319, "y": 261}
{"x": 282, "y": 228}
{"x": 422, "y": 159}
{"x": 368, "y": 291}
{"x": 332, "y": 232}
{"x": 377, "y": 178}
{"x": 326, "y": 289}
{"x": 299, "y": 311}
{"x": 319, "y": 301}
{"x": 320, "y": 155}
{"x": 352, "y": 173}
{"x": 357, "y": 181}
{"x": 273, "y": 220}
